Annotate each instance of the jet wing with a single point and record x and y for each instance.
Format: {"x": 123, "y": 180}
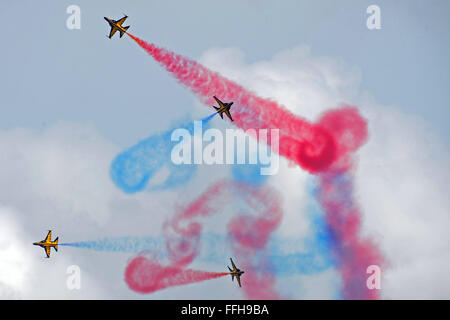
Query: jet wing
{"x": 227, "y": 112}
{"x": 48, "y": 238}
{"x": 219, "y": 102}
{"x": 232, "y": 263}
{"x": 47, "y": 251}
{"x": 119, "y": 22}
{"x": 113, "y": 30}
{"x": 238, "y": 278}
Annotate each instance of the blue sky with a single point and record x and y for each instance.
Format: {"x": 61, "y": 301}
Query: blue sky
{"x": 73, "y": 100}
{"x": 51, "y": 73}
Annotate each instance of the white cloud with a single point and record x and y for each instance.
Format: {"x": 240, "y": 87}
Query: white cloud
{"x": 304, "y": 84}
{"x": 59, "y": 179}
{"x": 62, "y": 169}
{"x": 402, "y": 177}
{"x": 14, "y": 262}
{"x": 403, "y": 184}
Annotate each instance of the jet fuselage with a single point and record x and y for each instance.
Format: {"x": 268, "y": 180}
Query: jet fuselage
{"x": 44, "y": 244}
{"x": 114, "y": 24}
{"x": 226, "y": 107}
{"x": 237, "y": 273}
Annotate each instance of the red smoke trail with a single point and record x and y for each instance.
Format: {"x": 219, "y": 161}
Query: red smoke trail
{"x": 307, "y": 144}
{"x": 183, "y": 241}
{"x": 146, "y": 276}
{"x": 249, "y": 232}
{"x": 353, "y": 253}
{"x": 323, "y": 148}
{"x": 249, "y": 235}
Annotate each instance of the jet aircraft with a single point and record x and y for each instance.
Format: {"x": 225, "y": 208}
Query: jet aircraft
{"x": 224, "y": 108}
{"x": 117, "y": 25}
{"x": 235, "y": 273}
{"x": 47, "y": 243}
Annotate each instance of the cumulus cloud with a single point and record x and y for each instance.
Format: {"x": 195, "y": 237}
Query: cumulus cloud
{"x": 59, "y": 178}
{"x": 14, "y": 262}
{"x": 402, "y": 182}
{"x": 402, "y": 176}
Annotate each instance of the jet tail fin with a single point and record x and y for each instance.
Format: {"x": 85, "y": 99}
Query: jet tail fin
{"x": 122, "y": 32}
{"x": 55, "y": 244}
{"x": 215, "y": 108}
{"x": 229, "y": 269}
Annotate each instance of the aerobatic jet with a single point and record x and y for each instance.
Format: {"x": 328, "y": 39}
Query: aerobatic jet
{"x": 117, "y": 25}
{"x": 47, "y": 243}
{"x": 224, "y": 108}
{"x": 235, "y": 273}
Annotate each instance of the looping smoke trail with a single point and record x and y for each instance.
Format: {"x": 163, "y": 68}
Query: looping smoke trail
{"x": 144, "y": 275}
{"x": 183, "y": 241}
{"x": 251, "y": 234}
{"x": 309, "y": 145}
{"x": 214, "y": 247}
{"x": 183, "y": 233}
{"x": 132, "y": 169}
{"x": 336, "y": 196}
{"x": 352, "y": 253}
{"x": 323, "y": 148}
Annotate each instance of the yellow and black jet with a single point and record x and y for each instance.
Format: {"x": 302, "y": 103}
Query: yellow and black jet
{"x": 235, "y": 273}
{"x": 117, "y": 25}
{"x": 224, "y": 108}
{"x": 47, "y": 243}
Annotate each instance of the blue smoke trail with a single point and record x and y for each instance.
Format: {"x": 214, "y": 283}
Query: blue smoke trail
{"x": 123, "y": 244}
{"x": 316, "y": 256}
{"x": 205, "y": 120}
{"x": 133, "y": 168}
{"x": 216, "y": 246}
{"x": 248, "y": 173}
